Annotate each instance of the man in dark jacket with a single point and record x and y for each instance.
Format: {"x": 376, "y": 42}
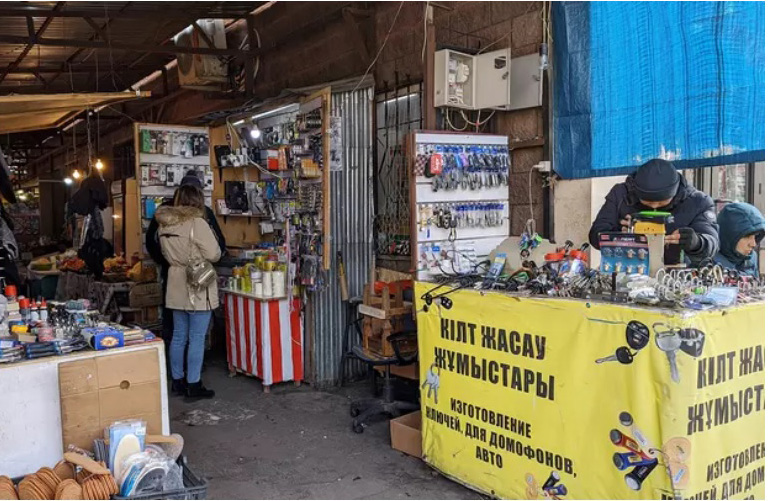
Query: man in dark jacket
{"x": 153, "y": 247}
{"x": 658, "y": 186}
{"x": 742, "y": 228}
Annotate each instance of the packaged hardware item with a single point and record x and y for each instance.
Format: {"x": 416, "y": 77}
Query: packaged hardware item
{"x": 149, "y": 472}
{"x": 125, "y": 439}
{"x": 624, "y": 253}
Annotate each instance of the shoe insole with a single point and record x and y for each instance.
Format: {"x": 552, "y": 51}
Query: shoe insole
{"x": 127, "y": 446}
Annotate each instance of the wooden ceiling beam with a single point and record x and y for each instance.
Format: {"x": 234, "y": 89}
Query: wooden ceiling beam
{"x": 98, "y": 29}
{"x": 66, "y": 65}
{"x": 79, "y": 68}
{"x": 170, "y": 10}
{"x": 30, "y": 42}
{"x": 114, "y": 45}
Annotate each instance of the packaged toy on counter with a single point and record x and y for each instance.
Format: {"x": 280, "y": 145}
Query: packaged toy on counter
{"x": 103, "y": 338}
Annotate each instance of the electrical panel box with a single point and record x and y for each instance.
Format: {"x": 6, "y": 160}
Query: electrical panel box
{"x": 525, "y": 83}
{"x": 487, "y": 81}
{"x": 492, "y": 79}
{"x": 454, "y": 79}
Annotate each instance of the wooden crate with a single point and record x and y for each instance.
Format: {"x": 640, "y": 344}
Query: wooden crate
{"x": 384, "y": 315}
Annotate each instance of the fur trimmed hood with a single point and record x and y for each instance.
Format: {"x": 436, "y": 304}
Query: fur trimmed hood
{"x": 168, "y": 215}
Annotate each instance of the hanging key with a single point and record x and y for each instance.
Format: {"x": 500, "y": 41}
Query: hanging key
{"x": 623, "y": 356}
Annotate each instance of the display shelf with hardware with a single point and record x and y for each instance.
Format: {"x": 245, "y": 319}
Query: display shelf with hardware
{"x": 459, "y": 199}
{"x": 164, "y": 155}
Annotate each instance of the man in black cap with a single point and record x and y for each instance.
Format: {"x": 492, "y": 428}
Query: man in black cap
{"x": 658, "y": 186}
{"x": 156, "y": 252}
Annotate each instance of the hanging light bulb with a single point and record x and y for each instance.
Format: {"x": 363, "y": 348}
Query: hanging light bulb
{"x": 76, "y": 174}
{"x": 99, "y": 164}
{"x": 68, "y": 180}
{"x": 255, "y": 132}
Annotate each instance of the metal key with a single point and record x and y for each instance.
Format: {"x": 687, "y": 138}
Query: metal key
{"x": 670, "y": 343}
{"x": 623, "y": 356}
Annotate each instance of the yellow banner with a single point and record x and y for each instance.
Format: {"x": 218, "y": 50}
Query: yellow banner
{"x": 553, "y": 398}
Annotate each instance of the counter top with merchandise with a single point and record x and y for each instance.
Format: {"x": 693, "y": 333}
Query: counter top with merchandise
{"x": 32, "y": 331}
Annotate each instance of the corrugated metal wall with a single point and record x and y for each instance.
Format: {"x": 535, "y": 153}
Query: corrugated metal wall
{"x": 351, "y": 233}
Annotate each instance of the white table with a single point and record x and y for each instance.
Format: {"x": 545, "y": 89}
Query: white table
{"x": 30, "y": 410}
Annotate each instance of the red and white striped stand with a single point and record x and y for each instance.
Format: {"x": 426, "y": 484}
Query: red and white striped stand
{"x": 265, "y": 338}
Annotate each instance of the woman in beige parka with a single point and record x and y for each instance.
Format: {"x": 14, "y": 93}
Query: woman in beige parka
{"x": 186, "y": 237}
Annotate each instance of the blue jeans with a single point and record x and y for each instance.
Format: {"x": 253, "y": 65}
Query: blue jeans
{"x": 188, "y": 327}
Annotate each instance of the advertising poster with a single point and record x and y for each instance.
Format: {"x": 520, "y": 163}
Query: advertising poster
{"x": 536, "y": 398}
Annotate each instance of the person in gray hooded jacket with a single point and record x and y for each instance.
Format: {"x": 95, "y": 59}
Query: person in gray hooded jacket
{"x": 742, "y": 228}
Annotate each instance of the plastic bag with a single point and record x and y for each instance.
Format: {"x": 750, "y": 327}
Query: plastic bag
{"x": 149, "y": 472}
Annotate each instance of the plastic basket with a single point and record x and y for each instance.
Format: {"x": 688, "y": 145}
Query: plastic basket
{"x": 195, "y": 487}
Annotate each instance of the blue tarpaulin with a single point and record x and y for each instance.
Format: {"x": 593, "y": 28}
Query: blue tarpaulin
{"x": 634, "y": 81}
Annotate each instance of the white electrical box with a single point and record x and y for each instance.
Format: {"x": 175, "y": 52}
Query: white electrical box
{"x": 492, "y": 73}
{"x": 486, "y": 81}
{"x": 525, "y": 83}
{"x": 454, "y": 80}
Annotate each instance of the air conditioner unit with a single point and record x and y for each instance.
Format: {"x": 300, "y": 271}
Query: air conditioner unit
{"x": 199, "y": 71}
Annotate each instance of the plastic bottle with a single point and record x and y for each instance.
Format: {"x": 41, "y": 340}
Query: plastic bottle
{"x": 44, "y": 311}
{"x": 34, "y": 313}
{"x": 24, "y": 309}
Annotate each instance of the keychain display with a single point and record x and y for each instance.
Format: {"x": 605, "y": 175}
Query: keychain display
{"x": 452, "y": 216}
{"x": 466, "y": 167}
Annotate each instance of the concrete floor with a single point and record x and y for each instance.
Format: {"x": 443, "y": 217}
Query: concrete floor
{"x": 297, "y": 443}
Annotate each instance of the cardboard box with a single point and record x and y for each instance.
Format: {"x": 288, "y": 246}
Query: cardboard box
{"x": 143, "y": 295}
{"x": 97, "y": 391}
{"x": 405, "y": 433}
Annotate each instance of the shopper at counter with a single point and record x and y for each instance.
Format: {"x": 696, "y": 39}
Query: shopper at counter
{"x": 742, "y": 228}
{"x": 658, "y": 186}
{"x": 185, "y": 237}
{"x": 153, "y": 247}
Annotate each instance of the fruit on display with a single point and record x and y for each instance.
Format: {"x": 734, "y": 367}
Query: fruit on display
{"x": 41, "y": 264}
{"x": 116, "y": 264}
{"x": 72, "y": 264}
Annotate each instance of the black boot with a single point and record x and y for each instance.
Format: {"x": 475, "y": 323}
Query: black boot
{"x": 196, "y": 391}
{"x": 179, "y": 387}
